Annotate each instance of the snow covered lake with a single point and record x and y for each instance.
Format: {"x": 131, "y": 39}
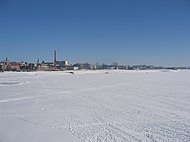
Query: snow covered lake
{"x": 95, "y": 106}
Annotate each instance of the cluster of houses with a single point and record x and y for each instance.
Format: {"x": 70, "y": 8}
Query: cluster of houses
{"x": 53, "y": 66}
{"x": 7, "y": 65}
{"x": 97, "y": 66}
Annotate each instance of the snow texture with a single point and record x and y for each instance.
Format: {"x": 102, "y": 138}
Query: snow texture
{"x": 95, "y": 106}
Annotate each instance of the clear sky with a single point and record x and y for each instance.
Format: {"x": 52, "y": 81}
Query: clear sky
{"x": 124, "y": 31}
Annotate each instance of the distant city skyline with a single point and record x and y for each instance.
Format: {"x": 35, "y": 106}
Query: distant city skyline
{"x": 128, "y": 32}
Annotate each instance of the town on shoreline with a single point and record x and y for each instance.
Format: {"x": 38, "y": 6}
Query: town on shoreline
{"x": 7, "y": 65}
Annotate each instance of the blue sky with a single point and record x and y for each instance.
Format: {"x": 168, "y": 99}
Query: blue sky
{"x": 124, "y": 31}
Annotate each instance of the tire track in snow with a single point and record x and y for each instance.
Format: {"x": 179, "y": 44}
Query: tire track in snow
{"x": 15, "y": 99}
{"x": 63, "y": 92}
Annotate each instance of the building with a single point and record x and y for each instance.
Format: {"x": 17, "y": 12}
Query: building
{"x": 49, "y": 66}
{"x": 61, "y": 64}
{"x": 15, "y": 66}
{"x": 1, "y": 68}
{"x": 52, "y": 66}
{"x": 44, "y": 67}
{"x": 6, "y": 65}
{"x": 93, "y": 66}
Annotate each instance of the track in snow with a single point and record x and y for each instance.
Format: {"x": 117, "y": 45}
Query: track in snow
{"x": 95, "y": 106}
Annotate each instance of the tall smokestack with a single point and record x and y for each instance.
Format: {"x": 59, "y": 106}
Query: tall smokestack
{"x": 54, "y": 58}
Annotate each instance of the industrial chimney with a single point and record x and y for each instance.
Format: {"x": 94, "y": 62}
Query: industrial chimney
{"x": 54, "y": 62}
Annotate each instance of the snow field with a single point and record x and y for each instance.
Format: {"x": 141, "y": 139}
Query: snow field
{"x": 95, "y": 106}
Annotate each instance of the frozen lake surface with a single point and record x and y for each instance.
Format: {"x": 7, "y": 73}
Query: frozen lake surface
{"x": 95, "y": 106}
